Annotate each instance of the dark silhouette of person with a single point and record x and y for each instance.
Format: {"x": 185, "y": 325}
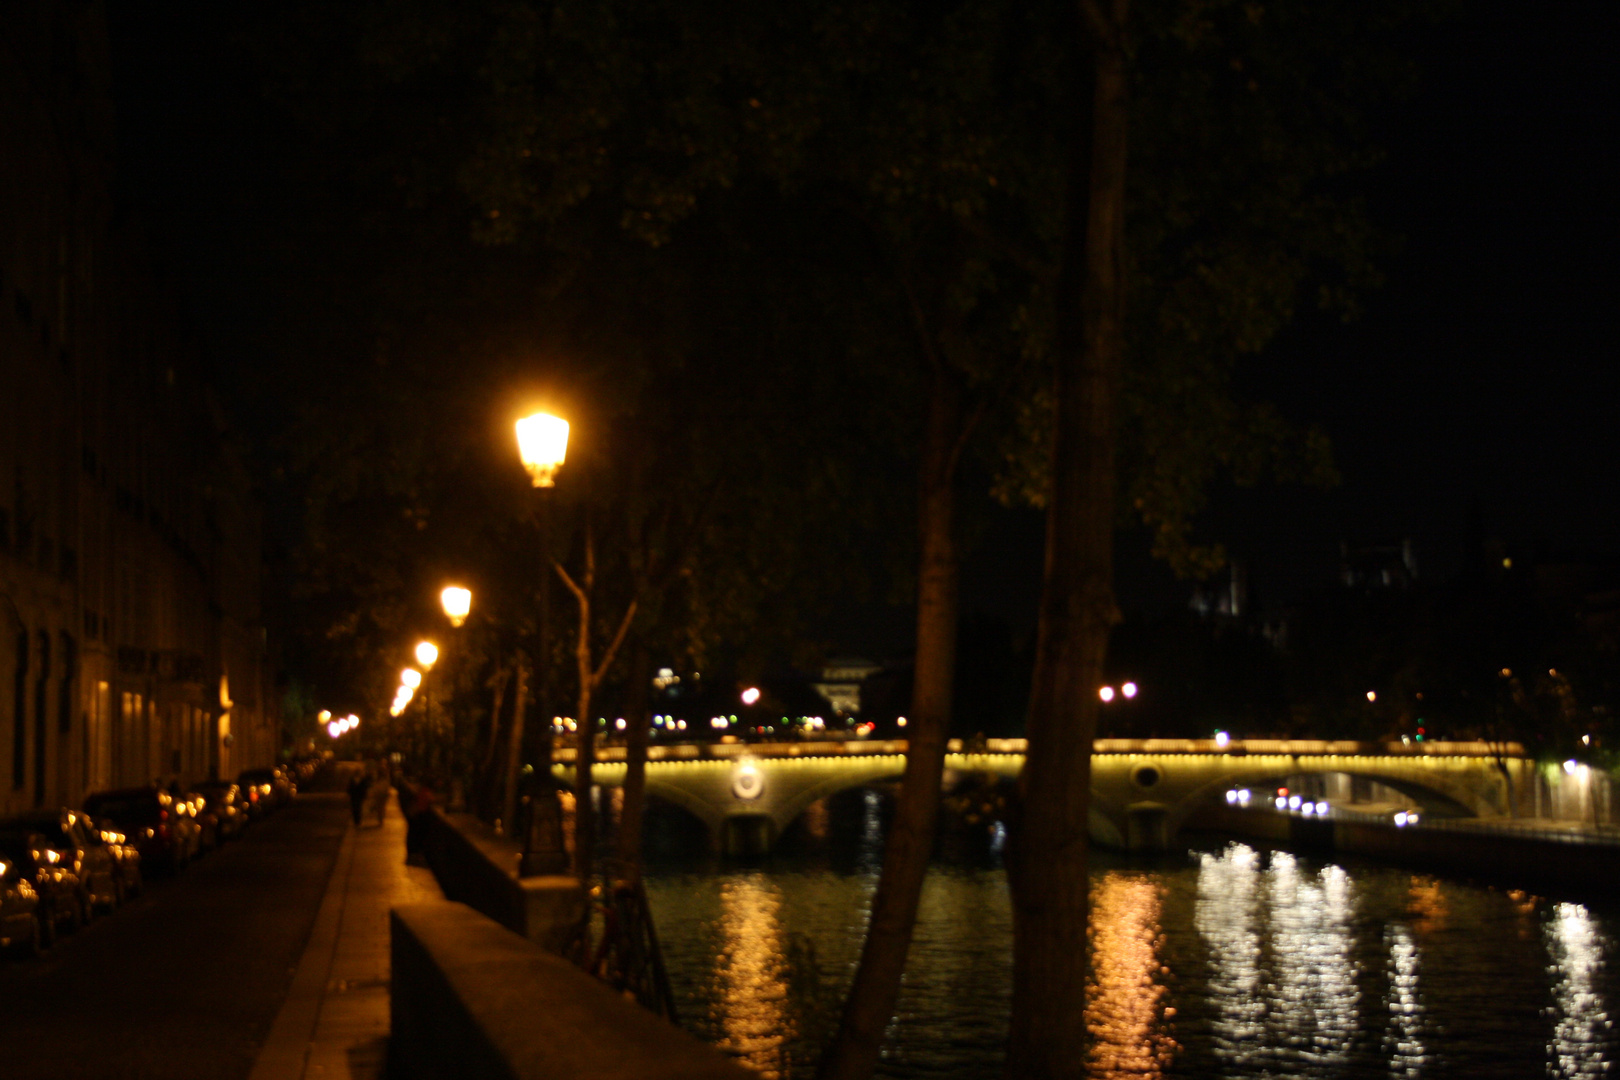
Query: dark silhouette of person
{"x": 358, "y": 787}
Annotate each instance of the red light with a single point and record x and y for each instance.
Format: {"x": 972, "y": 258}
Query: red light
{"x": 1282, "y": 791}
{"x": 1422, "y": 732}
{"x": 163, "y": 815}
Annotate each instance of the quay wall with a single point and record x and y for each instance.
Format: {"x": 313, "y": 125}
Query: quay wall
{"x": 1529, "y": 860}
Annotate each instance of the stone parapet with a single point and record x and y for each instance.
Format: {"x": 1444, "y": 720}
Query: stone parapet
{"x": 471, "y": 998}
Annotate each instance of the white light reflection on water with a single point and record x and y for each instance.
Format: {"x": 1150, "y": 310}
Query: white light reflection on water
{"x": 1582, "y": 1027}
{"x": 1227, "y": 917}
{"x": 1282, "y": 970}
{"x": 1125, "y": 1009}
{"x": 1403, "y": 1039}
{"x": 1313, "y": 1005}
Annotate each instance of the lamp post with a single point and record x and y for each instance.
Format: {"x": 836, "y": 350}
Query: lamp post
{"x": 542, "y": 448}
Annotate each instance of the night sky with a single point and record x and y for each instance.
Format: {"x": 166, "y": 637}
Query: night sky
{"x": 1475, "y": 400}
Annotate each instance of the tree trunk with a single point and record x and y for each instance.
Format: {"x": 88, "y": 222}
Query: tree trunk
{"x": 585, "y": 745}
{"x": 487, "y": 768}
{"x": 638, "y": 728}
{"x": 853, "y": 1054}
{"x": 514, "y": 749}
{"x": 1047, "y": 857}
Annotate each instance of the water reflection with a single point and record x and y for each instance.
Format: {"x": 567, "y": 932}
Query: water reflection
{"x": 1281, "y": 953}
{"x": 1581, "y": 1029}
{"x": 1125, "y": 1009}
{"x": 1312, "y": 1000}
{"x": 752, "y": 969}
{"x": 1403, "y": 1039}
{"x": 1227, "y": 917}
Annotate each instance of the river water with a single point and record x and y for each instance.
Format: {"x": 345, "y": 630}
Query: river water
{"x": 1220, "y": 960}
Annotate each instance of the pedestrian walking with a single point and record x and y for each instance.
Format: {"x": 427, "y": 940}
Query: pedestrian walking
{"x": 358, "y": 789}
{"x": 377, "y": 798}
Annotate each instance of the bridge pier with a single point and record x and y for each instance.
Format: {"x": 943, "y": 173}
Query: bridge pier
{"x": 746, "y": 835}
{"x": 1147, "y": 827}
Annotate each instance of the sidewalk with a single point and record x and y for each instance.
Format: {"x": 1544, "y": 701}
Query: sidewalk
{"x": 334, "y": 1023}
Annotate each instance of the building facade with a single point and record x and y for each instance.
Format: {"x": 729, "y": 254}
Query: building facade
{"x": 131, "y": 642}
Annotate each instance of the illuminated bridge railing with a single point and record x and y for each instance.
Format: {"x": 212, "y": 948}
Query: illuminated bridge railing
{"x": 1233, "y": 748}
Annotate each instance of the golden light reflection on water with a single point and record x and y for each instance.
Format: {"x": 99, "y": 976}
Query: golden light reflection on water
{"x": 753, "y": 974}
{"x": 1426, "y": 903}
{"x": 1575, "y": 946}
{"x": 1125, "y": 1007}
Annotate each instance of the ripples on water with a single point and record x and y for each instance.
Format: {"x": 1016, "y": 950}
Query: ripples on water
{"x": 1227, "y": 962}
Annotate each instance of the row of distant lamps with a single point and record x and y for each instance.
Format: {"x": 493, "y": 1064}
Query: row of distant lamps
{"x": 338, "y": 726}
{"x": 457, "y": 602}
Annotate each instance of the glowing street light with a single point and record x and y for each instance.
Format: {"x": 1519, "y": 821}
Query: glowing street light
{"x": 427, "y": 654}
{"x": 457, "y": 602}
{"x": 750, "y": 695}
{"x": 1106, "y": 693}
{"x": 542, "y": 447}
{"x": 410, "y": 678}
{"x": 1129, "y": 689}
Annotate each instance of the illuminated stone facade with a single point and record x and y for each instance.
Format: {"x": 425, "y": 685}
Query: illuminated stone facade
{"x": 129, "y": 550}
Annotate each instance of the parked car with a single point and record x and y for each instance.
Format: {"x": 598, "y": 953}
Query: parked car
{"x": 71, "y": 835}
{"x": 124, "y": 853}
{"x": 166, "y": 836}
{"x": 20, "y": 929}
{"x": 60, "y": 900}
{"x": 224, "y": 809}
{"x": 267, "y": 789}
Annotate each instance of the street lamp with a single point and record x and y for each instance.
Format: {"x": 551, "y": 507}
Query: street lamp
{"x": 542, "y": 446}
{"x": 410, "y": 677}
{"x": 427, "y": 654}
{"x": 457, "y": 602}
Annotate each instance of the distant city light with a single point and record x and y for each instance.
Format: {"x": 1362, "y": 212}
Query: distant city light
{"x": 325, "y": 715}
{"x": 750, "y": 695}
{"x": 619, "y": 724}
{"x": 1106, "y": 693}
{"x": 411, "y": 678}
{"x": 1321, "y": 808}
{"x": 1569, "y": 767}
{"x": 1222, "y": 738}
{"x": 1129, "y": 689}
{"x": 899, "y": 721}
{"x": 427, "y": 653}
{"x": 1372, "y": 695}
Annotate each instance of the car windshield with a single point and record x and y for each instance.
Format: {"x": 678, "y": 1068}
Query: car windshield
{"x": 136, "y": 808}
{"x": 50, "y": 828}
{"x": 15, "y": 848}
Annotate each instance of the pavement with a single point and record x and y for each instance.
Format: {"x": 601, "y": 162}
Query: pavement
{"x": 334, "y": 1023}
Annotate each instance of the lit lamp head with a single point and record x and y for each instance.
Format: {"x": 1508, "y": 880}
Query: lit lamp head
{"x": 457, "y": 603}
{"x": 542, "y": 446}
{"x": 410, "y": 678}
{"x": 427, "y": 654}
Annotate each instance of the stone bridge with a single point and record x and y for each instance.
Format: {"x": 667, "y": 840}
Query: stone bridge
{"x": 1144, "y": 791}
